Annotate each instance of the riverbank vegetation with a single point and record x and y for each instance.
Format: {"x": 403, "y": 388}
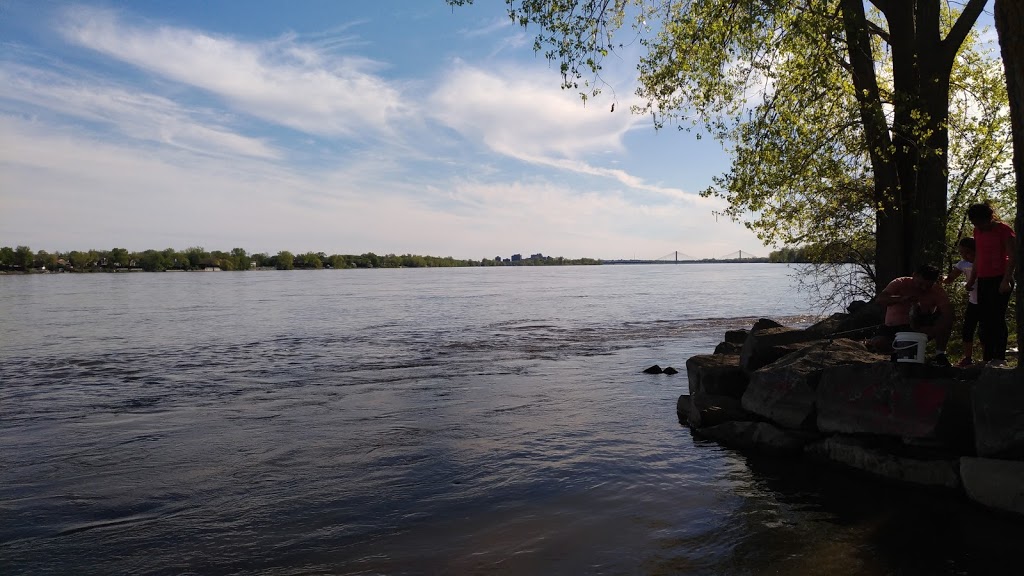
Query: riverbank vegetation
{"x": 23, "y": 259}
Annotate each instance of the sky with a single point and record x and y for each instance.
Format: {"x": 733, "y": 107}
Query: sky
{"x": 389, "y": 126}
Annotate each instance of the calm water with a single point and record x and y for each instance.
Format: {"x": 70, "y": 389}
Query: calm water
{"x": 444, "y": 421}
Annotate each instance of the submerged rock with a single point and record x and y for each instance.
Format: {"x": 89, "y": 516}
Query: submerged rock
{"x": 994, "y": 483}
{"x": 760, "y": 436}
{"x": 670, "y": 371}
{"x": 653, "y": 370}
{"x": 857, "y": 453}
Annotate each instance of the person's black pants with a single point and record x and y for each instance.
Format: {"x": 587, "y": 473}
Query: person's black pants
{"x": 992, "y": 318}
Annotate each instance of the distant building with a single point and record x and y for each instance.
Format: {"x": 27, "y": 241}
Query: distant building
{"x": 517, "y": 257}
{"x": 537, "y": 256}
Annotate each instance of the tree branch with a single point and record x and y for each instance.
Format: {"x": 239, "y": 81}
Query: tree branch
{"x": 963, "y": 26}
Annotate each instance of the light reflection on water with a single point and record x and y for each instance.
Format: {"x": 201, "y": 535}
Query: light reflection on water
{"x": 416, "y": 421}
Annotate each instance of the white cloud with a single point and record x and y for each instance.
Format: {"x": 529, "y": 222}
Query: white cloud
{"x": 518, "y": 113}
{"x": 132, "y": 113}
{"x": 299, "y": 86}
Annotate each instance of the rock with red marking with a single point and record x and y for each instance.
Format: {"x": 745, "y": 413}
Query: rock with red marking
{"x": 890, "y": 399}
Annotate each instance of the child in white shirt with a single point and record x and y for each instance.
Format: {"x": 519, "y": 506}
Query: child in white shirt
{"x": 963, "y": 267}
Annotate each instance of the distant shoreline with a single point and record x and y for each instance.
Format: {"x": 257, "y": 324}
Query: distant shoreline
{"x": 136, "y": 270}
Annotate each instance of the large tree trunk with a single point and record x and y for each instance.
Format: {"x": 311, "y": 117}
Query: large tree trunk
{"x": 1010, "y": 26}
{"x": 935, "y": 65}
{"x": 890, "y": 226}
{"x": 911, "y": 175}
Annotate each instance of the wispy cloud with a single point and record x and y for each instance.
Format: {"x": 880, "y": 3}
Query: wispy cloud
{"x": 518, "y": 114}
{"x": 132, "y": 113}
{"x": 294, "y": 85}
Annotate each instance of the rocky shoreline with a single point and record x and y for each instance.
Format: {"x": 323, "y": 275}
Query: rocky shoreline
{"x": 819, "y": 393}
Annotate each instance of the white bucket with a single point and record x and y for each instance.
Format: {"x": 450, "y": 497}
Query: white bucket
{"x": 909, "y": 347}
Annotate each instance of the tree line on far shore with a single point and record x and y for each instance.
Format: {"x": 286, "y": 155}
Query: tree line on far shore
{"x": 23, "y": 259}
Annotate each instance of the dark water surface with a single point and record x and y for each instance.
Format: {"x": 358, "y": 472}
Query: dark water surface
{"x": 441, "y": 421}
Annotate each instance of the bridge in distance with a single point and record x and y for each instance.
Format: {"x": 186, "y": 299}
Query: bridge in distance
{"x": 677, "y": 257}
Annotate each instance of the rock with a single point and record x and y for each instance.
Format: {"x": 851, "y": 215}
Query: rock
{"x": 885, "y": 398}
{"x": 825, "y": 328}
{"x": 994, "y": 483}
{"x": 863, "y": 316}
{"x": 760, "y": 436}
{"x": 683, "y": 408}
{"x": 670, "y": 371}
{"x": 767, "y": 345}
{"x": 718, "y": 375}
{"x": 862, "y": 322}
{"x": 997, "y": 403}
{"x": 736, "y": 336}
{"x": 728, "y": 348}
{"x": 785, "y": 392}
{"x": 707, "y": 410}
{"x": 653, "y": 370}
{"x": 764, "y": 324}
{"x": 856, "y": 453}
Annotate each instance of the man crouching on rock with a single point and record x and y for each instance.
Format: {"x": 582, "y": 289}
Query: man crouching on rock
{"x": 916, "y": 304}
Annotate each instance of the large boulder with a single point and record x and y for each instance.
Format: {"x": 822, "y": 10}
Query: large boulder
{"x": 766, "y": 345}
{"x": 716, "y": 374}
{"x": 890, "y": 399}
{"x": 997, "y": 403}
{"x": 683, "y": 408}
{"x": 707, "y": 410}
{"x": 858, "y": 453}
{"x": 785, "y": 391}
{"x": 757, "y": 436}
{"x": 728, "y": 348}
{"x": 736, "y": 336}
{"x": 861, "y": 322}
{"x": 994, "y": 483}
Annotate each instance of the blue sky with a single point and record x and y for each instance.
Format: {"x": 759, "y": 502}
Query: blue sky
{"x": 347, "y": 127}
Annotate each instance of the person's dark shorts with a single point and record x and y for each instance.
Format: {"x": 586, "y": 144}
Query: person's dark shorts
{"x": 970, "y": 322}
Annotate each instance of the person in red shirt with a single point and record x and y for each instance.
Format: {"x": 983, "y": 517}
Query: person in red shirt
{"x": 994, "y": 262}
{"x": 916, "y": 304}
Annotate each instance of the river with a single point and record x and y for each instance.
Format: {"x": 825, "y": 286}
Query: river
{"x": 420, "y": 421}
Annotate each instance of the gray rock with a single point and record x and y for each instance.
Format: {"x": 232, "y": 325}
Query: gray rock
{"x": 764, "y": 324}
{"x": 653, "y": 370}
{"x": 759, "y": 436}
{"x": 669, "y": 370}
{"x": 728, "y": 348}
{"x": 767, "y": 345}
{"x": 736, "y": 336}
{"x": 885, "y": 398}
{"x": 683, "y": 407}
{"x": 994, "y": 483}
{"x": 717, "y": 375}
{"x": 997, "y": 403}
{"x": 707, "y": 410}
{"x": 856, "y": 453}
{"x": 785, "y": 392}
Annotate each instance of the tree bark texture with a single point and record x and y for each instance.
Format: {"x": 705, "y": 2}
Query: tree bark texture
{"x": 1009, "y": 15}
